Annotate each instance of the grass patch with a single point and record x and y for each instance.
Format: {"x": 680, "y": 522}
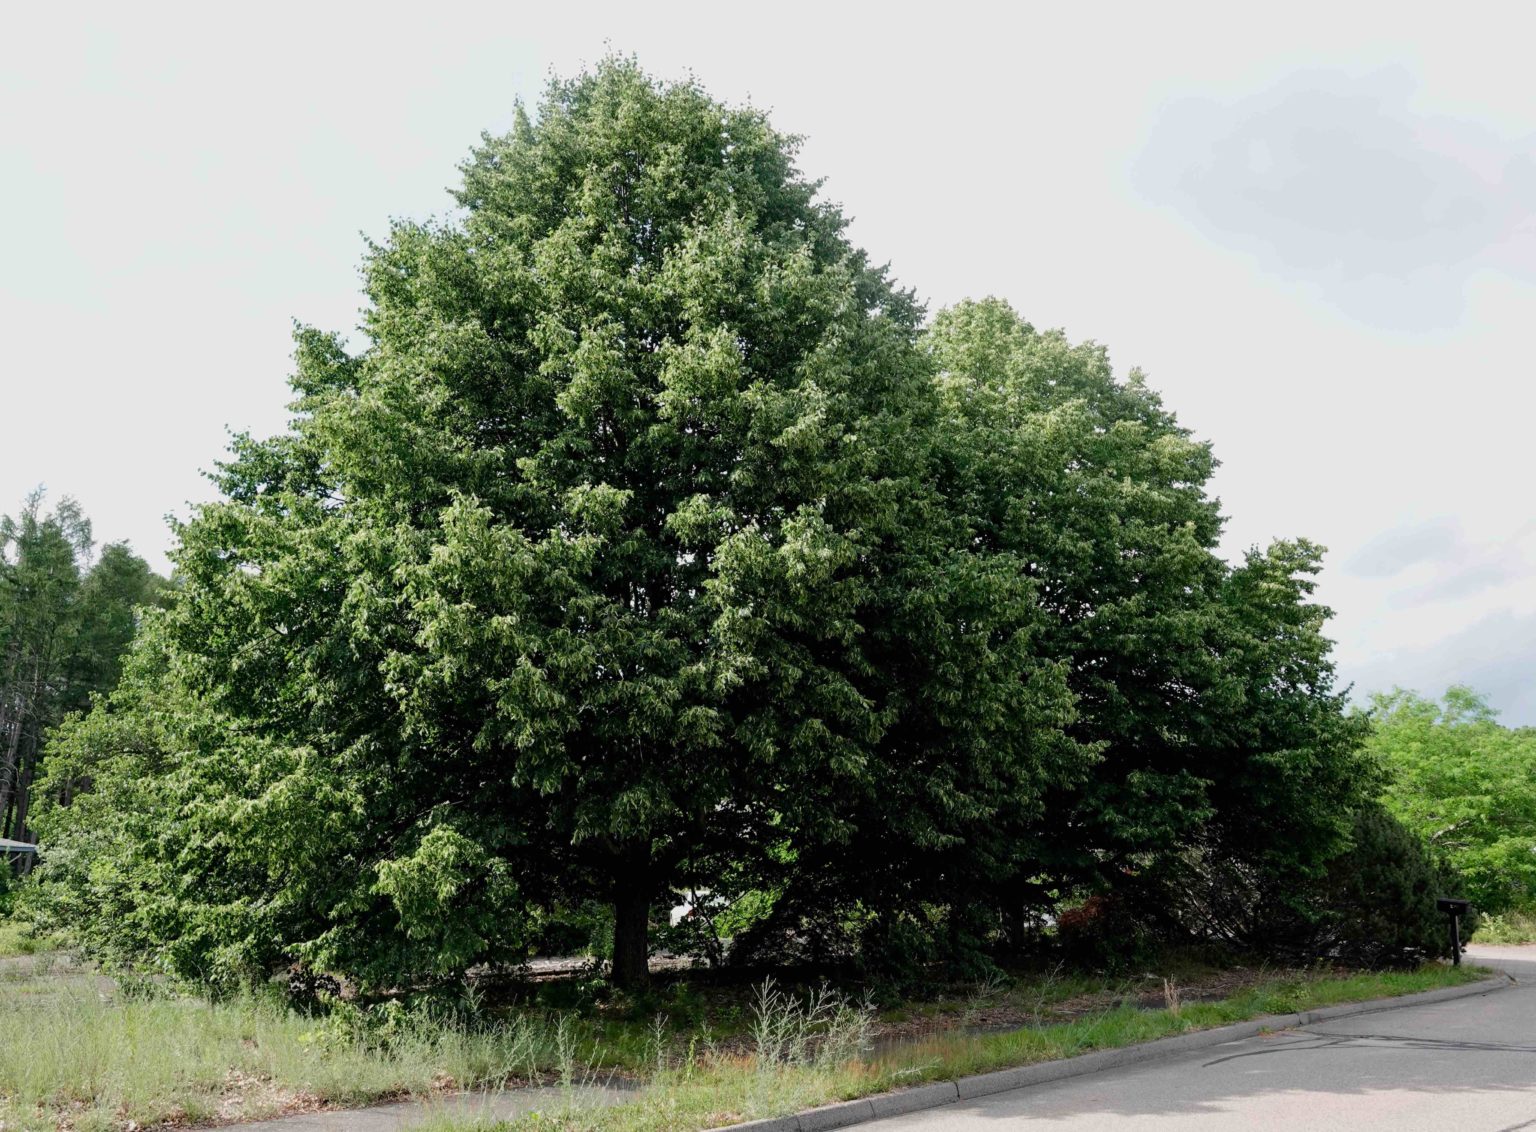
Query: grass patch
{"x": 704, "y": 1093}
{"x": 95, "y": 1057}
{"x": 98, "y": 1055}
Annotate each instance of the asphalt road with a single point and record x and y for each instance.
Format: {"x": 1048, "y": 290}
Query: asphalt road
{"x": 1468, "y": 1065}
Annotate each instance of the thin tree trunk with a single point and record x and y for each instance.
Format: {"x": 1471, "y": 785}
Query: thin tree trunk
{"x": 24, "y": 788}
{"x": 1014, "y": 925}
{"x": 13, "y": 786}
{"x": 13, "y": 720}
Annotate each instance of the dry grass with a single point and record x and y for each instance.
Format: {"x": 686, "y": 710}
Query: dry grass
{"x": 706, "y": 1092}
{"x": 95, "y": 1057}
{"x": 98, "y": 1057}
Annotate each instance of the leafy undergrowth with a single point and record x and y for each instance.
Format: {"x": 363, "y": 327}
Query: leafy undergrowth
{"x": 100, "y": 1055}
{"x": 1507, "y": 928}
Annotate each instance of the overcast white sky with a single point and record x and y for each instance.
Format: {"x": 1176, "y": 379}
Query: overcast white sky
{"x": 1313, "y": 226}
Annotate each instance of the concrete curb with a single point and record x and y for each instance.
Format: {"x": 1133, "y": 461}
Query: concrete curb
{"x": 942, "y": 1093}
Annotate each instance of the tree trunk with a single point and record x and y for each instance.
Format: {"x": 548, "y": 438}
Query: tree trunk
{"x": 1014, "y": 925}
{"x": 631, "y": 929}
{"x": 24, "y": 713}
{"x": 27, "y": 771}
{"x": 13, "y": 720}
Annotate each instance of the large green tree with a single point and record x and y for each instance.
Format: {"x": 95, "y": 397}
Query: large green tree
{"x": 648, "y": 540}
{"x": 611, "y": 556}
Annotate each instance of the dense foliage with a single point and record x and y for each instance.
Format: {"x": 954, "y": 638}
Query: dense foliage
{"x": 651, "y": 542}
{"x": 1377, "y": 901}
{"x": 1374, "y": 903}
{"x": 66, "y": 617}
{"x": 1467, "y": 786}
{"x": 1205, "y": 692}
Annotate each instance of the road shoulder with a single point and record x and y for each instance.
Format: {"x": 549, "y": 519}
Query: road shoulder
{"x": 846, "y": 1114}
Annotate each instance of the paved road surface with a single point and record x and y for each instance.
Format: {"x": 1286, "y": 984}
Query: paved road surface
{"x": 1468, "y": 1065}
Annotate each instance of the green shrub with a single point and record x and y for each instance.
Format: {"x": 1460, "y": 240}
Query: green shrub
{"x": 1373, "y": 904}
{"x": 1380, "y": 896}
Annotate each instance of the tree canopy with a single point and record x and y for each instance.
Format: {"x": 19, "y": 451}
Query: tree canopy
{"x": 650, "y": 539}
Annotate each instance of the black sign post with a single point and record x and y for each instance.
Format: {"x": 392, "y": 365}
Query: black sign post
{"x": 1454, "y": 910}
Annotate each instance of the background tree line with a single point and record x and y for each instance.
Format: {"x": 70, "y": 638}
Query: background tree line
{"x": 654, "y": 540}
{"x": 66, "y": 617}
{"x": 1467, "y": 786}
